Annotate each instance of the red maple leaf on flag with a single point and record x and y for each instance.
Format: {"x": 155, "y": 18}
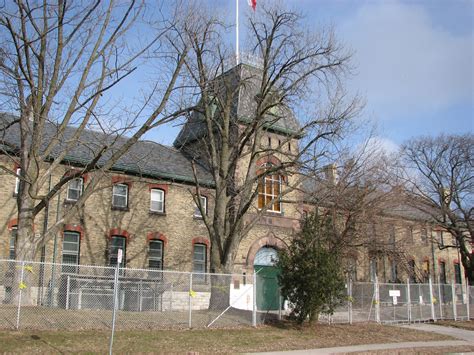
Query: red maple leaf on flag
{"x": 252, "y": 4}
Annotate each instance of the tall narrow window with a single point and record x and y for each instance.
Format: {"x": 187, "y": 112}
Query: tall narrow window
{"x": 412, "y": 270}
{"x": 155, "y": 254}
{"x": 457, "y": 273}
{"x": 441, "y": 238}
{"x": 269, "y": 189}
{"x": 426, "y": 271}
{"x": 442, "y": 272}
{"x": 424, "y": 235}
{"x": 71, "y": 247}
{"x": 17, "y": 181}
{"x": 199, "y": 262}
{"x": 117, "y": 242}
{"x": 120, "y": 196}
{"x": 157, "y": 200}
{"x": 13, "y": 238}
{"x": 392, "y": 236}
{"x": 394, "y": 271}
{"x": 74, "y": 189}
{"x": 409, "y": 234}
{"x": 197, "y": 212}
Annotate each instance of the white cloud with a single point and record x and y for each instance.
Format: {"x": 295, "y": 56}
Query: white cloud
{"x": 406, "y": 63}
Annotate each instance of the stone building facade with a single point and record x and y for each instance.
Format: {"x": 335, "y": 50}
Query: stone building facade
{"x": 147, "y": 209}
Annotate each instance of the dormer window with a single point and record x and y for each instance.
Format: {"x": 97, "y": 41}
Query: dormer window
{"x": 197, "y": 212}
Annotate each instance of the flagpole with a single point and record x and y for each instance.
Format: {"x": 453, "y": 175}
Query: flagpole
{"x": 237, "y": 32}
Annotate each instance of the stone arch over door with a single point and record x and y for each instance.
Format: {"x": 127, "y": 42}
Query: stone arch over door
{"x": 268, "y": 241}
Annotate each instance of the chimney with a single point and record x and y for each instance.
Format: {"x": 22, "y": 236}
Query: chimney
{"x": 330, "y": 173}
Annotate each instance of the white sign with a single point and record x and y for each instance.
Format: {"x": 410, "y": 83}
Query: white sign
{"x": 421, "y": 299}
{"x": 394, "y": 293}
{"x": 395, "y": 300}
{"x": 119, "y": 256}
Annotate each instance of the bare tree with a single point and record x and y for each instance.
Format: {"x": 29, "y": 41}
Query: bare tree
{"x": 59, "y": 60}
{"x": 361, "y": 205}
{"x": 240, "y": 106}
{"x": 438, "y": 173}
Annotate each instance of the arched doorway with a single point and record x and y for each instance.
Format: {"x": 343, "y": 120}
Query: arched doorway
{"x": 268, "y": 294}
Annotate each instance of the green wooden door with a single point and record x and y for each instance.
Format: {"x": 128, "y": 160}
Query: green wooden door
{"x": 267, "y": 287}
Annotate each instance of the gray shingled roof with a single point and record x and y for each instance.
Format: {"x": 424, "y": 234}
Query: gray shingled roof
{"x": 244, "y": 106}
{"x": 316, "y": 191}
{"x": 145, "y": 158}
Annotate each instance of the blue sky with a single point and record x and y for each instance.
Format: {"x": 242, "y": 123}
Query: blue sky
{"x": 414, "y": 60}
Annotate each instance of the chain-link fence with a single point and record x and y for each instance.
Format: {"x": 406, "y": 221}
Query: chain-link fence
{"x": 63, "y": 296}
{"x": 46, "y": 296}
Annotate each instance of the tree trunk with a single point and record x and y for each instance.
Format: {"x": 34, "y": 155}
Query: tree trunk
{"x": 25, "y": 250}
{"x": 220, "y": 284}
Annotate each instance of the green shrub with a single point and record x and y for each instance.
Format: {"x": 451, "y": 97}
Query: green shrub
{"x": 311, "y": 276}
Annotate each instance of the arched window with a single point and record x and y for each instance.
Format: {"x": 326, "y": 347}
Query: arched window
{"x": 269, "y": 189}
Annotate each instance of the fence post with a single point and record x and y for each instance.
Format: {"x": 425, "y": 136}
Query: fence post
{"x": 468, "y": 295}
{"x": 350, "y": 299}
{"x": 190, "y": 302}
{"x": 433, "y": 315}
{"x": 171, "y": 297}
{"x": 453, "y": 297}
{"x": 20, "y": 287}
{"x": 115, "y": 301}
{"x": 279, "y": 303}
{"x": 441, "y": 298}
{"x": 254, "y": 303}
{"x": 408, "y": 300}
{"x": 377, "y": 300}
{"x": 68, "y": 283}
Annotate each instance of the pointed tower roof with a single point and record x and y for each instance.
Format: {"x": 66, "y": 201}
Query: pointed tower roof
{"x": 245, "y": 79}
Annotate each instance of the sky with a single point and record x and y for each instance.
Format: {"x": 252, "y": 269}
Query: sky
{"x": 414, "y": 61}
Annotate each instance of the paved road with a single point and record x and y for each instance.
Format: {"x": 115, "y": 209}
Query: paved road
{"x": 466, "y": 337}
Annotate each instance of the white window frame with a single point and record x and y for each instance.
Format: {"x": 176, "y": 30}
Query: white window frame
{"x": 162, "y": 200}
{"x": 80, "y": 189}
{"x": 197, "y": 211}
{"x": 114, "y": 193}
{"x": 276, "y": 196}
{"x": 76, "y": 254}
{"x": 200, "y": 275}
{"x": 17, "y": 181}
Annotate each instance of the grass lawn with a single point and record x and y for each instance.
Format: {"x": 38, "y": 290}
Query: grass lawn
{"x": 283, "y": 336}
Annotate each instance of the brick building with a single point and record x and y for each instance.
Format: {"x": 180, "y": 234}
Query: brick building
{"x": 145, "y": 206}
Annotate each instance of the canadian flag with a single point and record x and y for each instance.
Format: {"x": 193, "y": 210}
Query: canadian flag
{"x": 252, "y": 4}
